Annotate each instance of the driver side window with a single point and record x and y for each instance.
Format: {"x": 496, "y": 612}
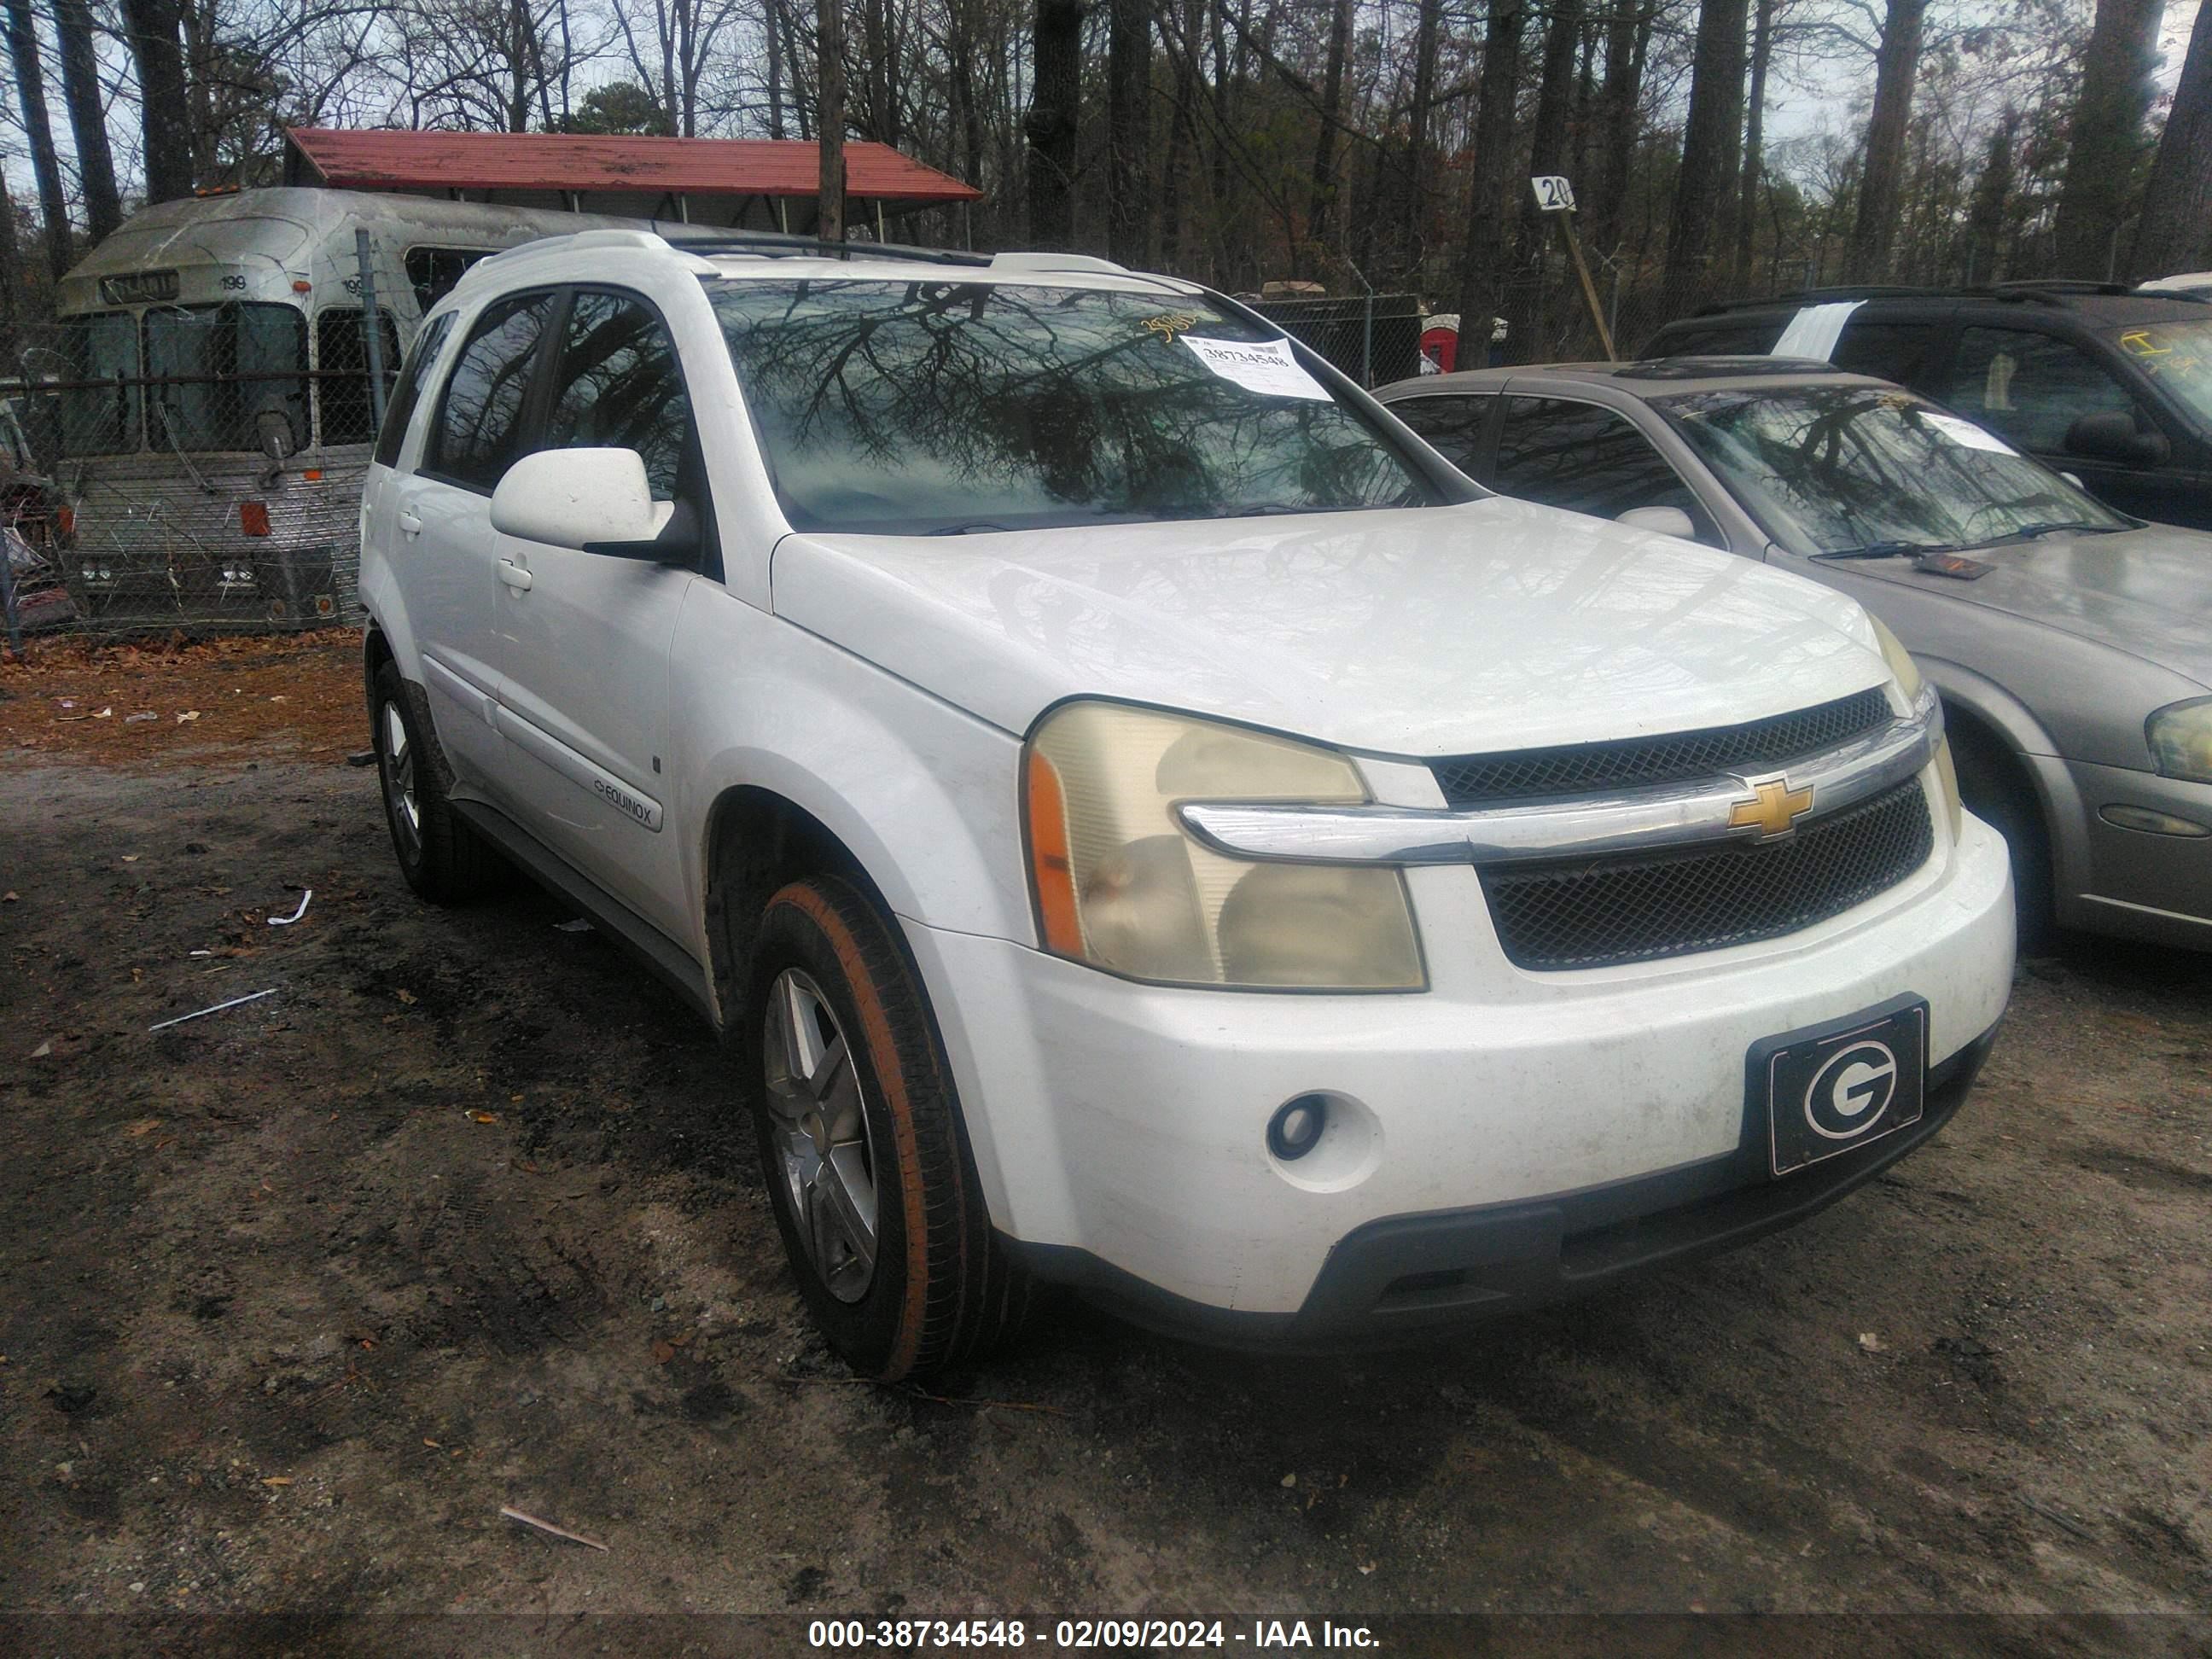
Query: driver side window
{"x": 619, "y": 387}
{"x": 2031, "y": 387}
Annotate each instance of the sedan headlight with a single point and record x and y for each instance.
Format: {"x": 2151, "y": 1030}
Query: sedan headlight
{"x": 2181, "y": 740}
{"x": 1120, "y": 884}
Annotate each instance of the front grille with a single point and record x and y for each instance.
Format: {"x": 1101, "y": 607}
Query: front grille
{"x": 1637, "y": 762}
{"x": 1594, "y": 913}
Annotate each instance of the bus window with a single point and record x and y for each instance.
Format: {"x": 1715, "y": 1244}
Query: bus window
{"x": 434, "y": 270}
{"x": 342, "y": 349}
{"x": 98, "y": 420}
{"x": 238, "y": 361}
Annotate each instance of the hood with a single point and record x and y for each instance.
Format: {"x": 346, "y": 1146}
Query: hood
{"x": 2145, "y": 591}
{"x": 1490, "y": 624}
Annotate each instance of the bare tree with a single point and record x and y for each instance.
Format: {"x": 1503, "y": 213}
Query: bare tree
{"x": 1331, "y": 117}
{"x": 1482, "y": 258}
{"x": 1897, "y": 66}
{"x": 1053, "y": 117}
{"x": 1704, "y": 188}
{"x": 829, "y": 118}
{"x": 2176, "y": 233}
{"x": 2108, "y": 138}
{"x": 165, "y": 116}
{"x": 1627, "y": 44}
{"x": 1755, "y": 140}
{"x": 671, "y": 60}
{"x": 81, "y": 92}
{"x": 1525, "y": 336}
{"x": 46, "y": 166}
{"x": 1128, "y": 131}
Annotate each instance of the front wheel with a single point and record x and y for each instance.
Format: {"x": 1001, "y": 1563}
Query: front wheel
{"x": 860, "y": 1141}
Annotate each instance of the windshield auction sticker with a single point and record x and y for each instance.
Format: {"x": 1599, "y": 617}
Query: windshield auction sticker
{"x": 1262, "y": 366}
{"x": 1967, "y": 433}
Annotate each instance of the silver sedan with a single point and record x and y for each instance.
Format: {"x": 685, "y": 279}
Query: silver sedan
{"x": 2072, "y": 645}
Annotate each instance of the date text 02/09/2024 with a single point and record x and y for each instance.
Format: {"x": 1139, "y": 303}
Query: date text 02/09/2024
{"x": 1077, "y": 1635}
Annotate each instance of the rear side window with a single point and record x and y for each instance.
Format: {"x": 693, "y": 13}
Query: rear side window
{"x": 1453, "y": 426}
{"x": 1588, "y": 459}
{"x": 619, "y": 387}
{"x": 2031, "y": 387}
{"x": 1888, "y": 351}
{"x": 342, "y": 356}
{"x": 432, "y": 271}
{"x": 399, "y": 408}
{"x": 481, "y": 420}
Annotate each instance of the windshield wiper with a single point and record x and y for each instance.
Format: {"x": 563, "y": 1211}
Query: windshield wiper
{"x": 1890, "y": 550}
{"x": 980, "y": 527}
{"x": 2029, "y": 531}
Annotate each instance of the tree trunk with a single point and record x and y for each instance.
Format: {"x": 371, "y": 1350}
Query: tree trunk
{"x": 1056, "y": 106}
{"x": 164, "y": 110}
{"x": 30, "y": 85}
{"x": 1527, "y": 336}
{"x": 829, "y": 122}
{"x": 1418, "y": 122}
{"x": 11, "y": 273}
{"x": 1627, "y": 43}
{"x": 1992, "y": 197}
{"x": 1754, "y": 141}
{"x": 1704, "y": 189}
{"x": 1482, "y": 257}
{"x": 1129, "y": 132}
{"x": 103, "y": 204}
{"x": 1332, "y": 114}
{"x": 1881, "y": 184}
{"x": 774, "y": 8}
{"x": 2094, "y": 195}
{"x": 2176, "y": 232}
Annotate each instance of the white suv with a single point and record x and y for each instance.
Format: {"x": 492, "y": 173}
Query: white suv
{"x": 1146, "y": 823}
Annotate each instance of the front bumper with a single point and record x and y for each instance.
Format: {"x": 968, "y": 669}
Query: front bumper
{"x": 1120, "y": 1129}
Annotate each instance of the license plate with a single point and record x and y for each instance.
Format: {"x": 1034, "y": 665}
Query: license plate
{"x": 1833, "y": 1088}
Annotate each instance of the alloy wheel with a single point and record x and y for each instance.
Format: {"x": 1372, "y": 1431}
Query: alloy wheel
{"x": 820, "y": 1115}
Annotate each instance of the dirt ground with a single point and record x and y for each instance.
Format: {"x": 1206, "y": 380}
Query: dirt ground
{"x": 295, "y": 1297}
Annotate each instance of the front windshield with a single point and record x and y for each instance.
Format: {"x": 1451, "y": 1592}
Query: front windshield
{"x": 2178, "y": 357}
{"x": 942, "y": 406}
{"x": 1845, "y": 468}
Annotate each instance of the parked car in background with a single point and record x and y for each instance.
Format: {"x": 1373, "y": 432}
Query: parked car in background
{"x": 2109, "y": 384}
{"x": 1149, "y": 824}
{"x": 2073, "y": 646}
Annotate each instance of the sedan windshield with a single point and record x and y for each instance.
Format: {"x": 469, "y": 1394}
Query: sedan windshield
{"x": 1840, "y": 470}
{"x": 2178, "y": 357}
{"x": 940, "y": 407}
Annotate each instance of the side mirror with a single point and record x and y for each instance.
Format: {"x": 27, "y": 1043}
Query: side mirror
{"x": 1663, "y": 520}
{"x": 595, "y": 501}
{"x": 273, "y": 427}
{"x": 2111, "y": 435}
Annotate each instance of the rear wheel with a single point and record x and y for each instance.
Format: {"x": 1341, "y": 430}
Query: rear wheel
{"x": 443, "y": 860}
{"x": 860, "y": 1140}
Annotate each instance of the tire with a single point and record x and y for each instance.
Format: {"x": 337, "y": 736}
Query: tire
{"x": 443, "y": 860}
{"x": 870, "y": 1139}
{"x": 1995, "y": 790}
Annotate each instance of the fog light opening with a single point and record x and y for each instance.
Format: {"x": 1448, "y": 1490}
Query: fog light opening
{"x": 1297, "y": 1127}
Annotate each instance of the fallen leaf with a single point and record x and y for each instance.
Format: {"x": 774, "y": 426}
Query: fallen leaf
{"x": 369, "y": 1342}
{"x": 130, "y": 858}
{"x": 42, "y": 1050}
{"x": 103, "y": 713}
{"x": 277, "y": 1481}
{"x": 485, "y": 1117}
{"x": 1291, "y": 1478}
{"x": 407, "y": 997}
{"x": 432, "y": 1444}
{"x": 663, "y": 1352}
{"x": 7, "y": 897}
{"x": 144, "y": 1126}
{"x": 1870, "y": 1343}
{"x": 189, "y": 714}
{"x": 679, "y": 1341}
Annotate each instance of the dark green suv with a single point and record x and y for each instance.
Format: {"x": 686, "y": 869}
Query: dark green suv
{"x": 2108, "y": 383}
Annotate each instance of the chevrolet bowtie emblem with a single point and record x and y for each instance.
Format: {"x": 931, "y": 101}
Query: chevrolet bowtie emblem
{"x": 1773, "y": 808}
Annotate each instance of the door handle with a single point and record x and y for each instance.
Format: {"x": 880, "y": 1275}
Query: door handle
{"x": 410, "y": 525}
{"x": 514, "y": 576}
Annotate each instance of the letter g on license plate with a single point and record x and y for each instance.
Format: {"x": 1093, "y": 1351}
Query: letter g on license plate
{"x": 1833, "y": 1088}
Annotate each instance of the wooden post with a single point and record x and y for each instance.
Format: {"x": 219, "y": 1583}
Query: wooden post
{"x": 1589, "y": 290}
{"x": 829, "y": 123}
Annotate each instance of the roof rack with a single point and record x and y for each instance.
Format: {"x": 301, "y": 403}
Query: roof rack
{"x": 2044, "y": 290}
{"x": 2053, "y": 285}
{"x": 1805, "y": 296}
{"x": 773, "y": 244}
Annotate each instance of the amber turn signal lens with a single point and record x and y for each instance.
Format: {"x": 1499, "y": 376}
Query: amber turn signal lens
{"x": 1050, "y": 871}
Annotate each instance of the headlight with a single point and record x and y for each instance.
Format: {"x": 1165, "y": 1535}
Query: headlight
{"x": 1899, "y": 659}
{"x": 2181, "y": 740}
{"x": 1119, "y": 882}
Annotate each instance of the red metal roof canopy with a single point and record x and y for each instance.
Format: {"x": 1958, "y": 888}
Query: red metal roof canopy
{"x": 512, "y": 165}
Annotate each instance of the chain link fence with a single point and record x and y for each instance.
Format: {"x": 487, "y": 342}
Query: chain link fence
{"x": 194, "y": 469}
{"x": 1373, "y": 338}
